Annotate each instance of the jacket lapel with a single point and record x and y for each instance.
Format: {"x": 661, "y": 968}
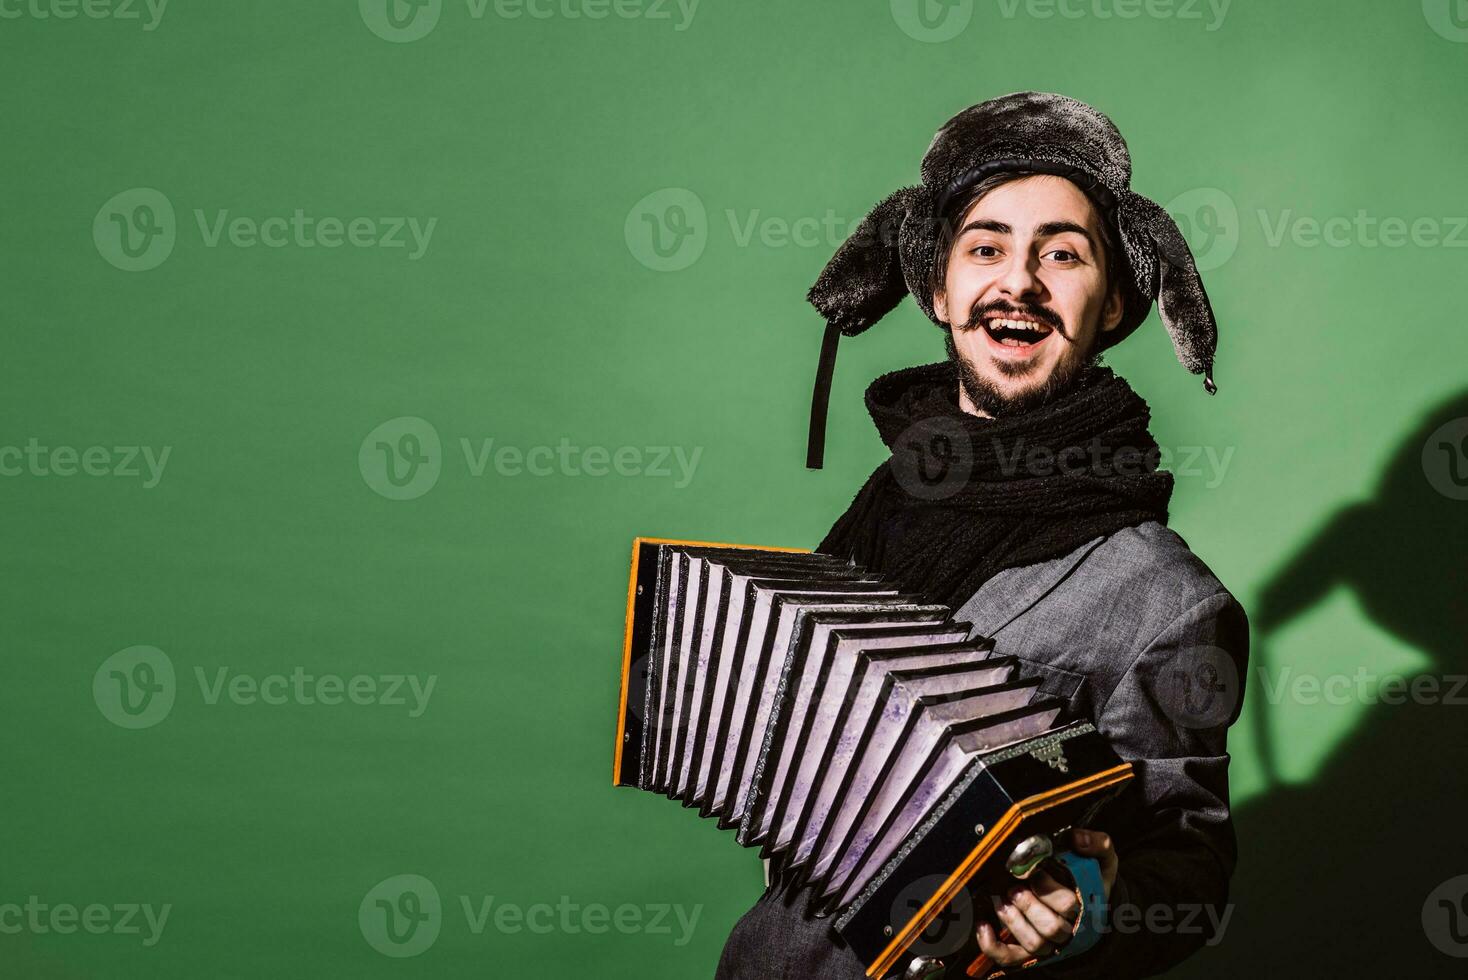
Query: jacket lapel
{"x": 1012, "y": 592}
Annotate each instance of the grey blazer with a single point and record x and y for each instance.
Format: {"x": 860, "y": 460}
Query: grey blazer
{"x": 1136, "y": 634}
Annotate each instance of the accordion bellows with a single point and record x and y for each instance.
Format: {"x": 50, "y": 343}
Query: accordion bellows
{"x": 872, "y": 748}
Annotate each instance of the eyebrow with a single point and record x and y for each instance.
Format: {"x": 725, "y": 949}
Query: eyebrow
{"x": 1046, "y": 230}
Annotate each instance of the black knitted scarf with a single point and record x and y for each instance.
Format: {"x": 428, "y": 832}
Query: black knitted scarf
{"x": 963, "y": 497}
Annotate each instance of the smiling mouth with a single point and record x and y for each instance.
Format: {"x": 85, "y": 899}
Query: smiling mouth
{"x": 1018, "y": 333}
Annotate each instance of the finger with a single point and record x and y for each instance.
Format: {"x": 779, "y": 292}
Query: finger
{"x": 999, "y": 952}
{"x": 1093, "y": 843}
{"x": 1020, "y": 929}
{"x": 1041, "y": 917}
{"x": 1060, "y": 899}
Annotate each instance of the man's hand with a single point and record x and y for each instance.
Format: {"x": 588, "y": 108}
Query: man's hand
{"x": 1040, "y": 915}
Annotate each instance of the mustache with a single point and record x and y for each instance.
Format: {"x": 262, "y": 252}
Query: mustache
{"x": 1043, "y": 314}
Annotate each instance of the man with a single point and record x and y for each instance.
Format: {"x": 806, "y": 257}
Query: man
{"x": 1023, "y": 491}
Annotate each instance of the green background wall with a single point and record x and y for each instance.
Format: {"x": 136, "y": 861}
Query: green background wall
{"x": 543, "y": 312}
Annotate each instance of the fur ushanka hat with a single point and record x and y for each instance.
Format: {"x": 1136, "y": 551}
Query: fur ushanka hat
{"x": 893, "y": 250}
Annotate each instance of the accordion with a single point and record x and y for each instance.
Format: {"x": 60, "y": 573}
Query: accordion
{"x": 877, "y": 753}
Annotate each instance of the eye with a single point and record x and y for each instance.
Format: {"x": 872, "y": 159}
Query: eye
{"x": 984, "y": 251}
{"x": 1065, "y": 255}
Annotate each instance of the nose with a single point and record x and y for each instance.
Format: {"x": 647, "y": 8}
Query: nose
{"x": 1019, "y": 281}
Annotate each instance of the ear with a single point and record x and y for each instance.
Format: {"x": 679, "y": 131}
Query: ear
{"x": 940, "y": 305}
{"x": 1113, "y": 309}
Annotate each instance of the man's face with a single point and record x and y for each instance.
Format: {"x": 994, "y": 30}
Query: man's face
{"x": 1025, "y": 293}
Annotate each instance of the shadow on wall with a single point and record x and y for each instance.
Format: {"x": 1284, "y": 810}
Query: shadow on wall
{"x": 1353, "y": 873}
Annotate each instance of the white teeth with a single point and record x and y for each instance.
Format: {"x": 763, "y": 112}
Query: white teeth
{"x": 1028, "y": 326}
{"x": 1021, "y": 325}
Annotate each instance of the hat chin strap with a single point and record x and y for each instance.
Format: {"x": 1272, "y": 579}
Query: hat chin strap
{"x": 820, "y": 398}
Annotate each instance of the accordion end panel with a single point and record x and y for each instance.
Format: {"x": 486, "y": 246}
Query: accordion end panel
{"x": 1010, "y": 798}
{"x": 641, "y": 594}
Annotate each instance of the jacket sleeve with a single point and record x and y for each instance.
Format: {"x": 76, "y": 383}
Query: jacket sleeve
{"x": 1174, "y": 838}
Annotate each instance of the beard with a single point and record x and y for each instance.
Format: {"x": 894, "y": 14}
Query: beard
{"x": 1069, "y": 372}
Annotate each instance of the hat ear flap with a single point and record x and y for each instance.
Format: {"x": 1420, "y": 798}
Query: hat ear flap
{"x": 1182, "y": 303}
{"x": 863, "y": 282}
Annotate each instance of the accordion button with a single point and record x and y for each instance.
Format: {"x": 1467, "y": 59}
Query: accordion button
{"x": 1028, "y": 854}
{"x": 923, "y": 968}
